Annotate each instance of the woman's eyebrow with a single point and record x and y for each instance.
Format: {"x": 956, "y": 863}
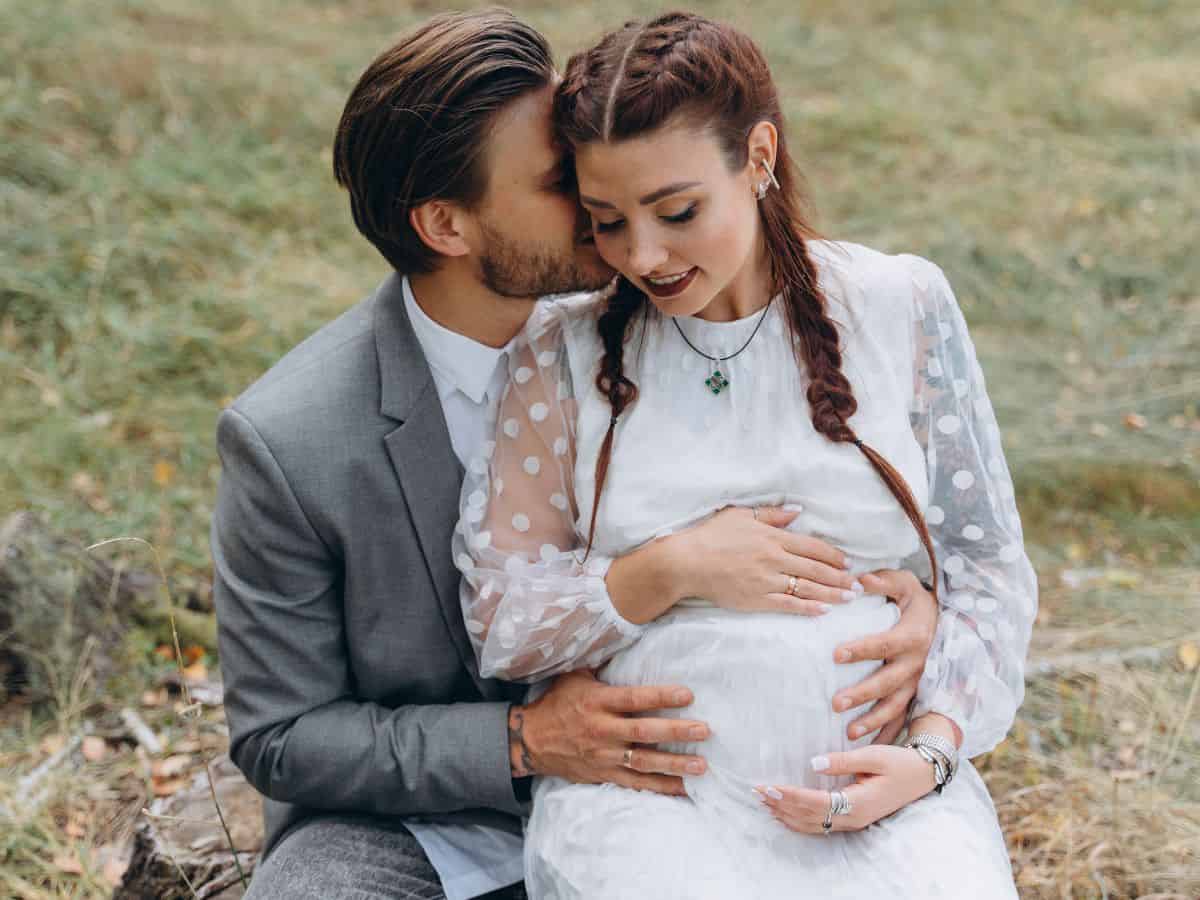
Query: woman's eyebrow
{"x": 652, "y": 197}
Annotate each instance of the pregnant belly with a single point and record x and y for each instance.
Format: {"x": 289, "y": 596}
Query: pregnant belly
{"x": 763, "y": 682}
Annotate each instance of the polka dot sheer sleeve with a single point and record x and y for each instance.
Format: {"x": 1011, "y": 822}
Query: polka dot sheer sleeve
{"x": 987, "y": 587}
{"x": 533, "y": 607}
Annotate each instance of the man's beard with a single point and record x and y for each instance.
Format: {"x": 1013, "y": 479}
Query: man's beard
{"x": 524, "y": 270}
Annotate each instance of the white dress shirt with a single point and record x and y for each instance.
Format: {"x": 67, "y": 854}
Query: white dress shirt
{"x": 470, "y": 859}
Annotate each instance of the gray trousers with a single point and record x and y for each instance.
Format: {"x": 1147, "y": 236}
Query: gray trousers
{"x": 347, "y": 857}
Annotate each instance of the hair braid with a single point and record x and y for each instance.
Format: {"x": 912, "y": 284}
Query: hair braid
{"x": 611, "y": 380}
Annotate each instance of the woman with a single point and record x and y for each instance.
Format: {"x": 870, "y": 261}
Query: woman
{"x": 740, "y": 361}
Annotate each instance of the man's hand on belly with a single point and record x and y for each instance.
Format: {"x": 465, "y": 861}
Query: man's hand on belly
{"x": 585, "y": 731}
{"x": 903, "y": 649}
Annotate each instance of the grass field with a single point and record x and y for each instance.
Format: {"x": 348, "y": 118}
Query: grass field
{"x": 169, "y": 226}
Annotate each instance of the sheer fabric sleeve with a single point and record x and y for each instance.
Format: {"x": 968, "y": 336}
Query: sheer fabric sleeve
{"x": 987, "y": 587}
{"x": 532, "y": 606}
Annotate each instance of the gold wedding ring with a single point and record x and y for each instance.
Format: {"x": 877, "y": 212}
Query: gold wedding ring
{"x": 793, "y": 583}
{"x": 627, "y": 758}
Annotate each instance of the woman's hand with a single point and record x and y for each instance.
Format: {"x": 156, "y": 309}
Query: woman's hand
{"x": 886, "y": 779}
{"x": 744, "y": 560}
{"x": 903, "y": 649}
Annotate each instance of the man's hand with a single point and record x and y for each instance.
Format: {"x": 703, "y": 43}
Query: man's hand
{"x": 903, "y": 649}
{"x": 580, "y": 729}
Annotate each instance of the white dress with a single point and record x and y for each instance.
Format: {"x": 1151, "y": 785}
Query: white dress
{"x": 763, "y": 682}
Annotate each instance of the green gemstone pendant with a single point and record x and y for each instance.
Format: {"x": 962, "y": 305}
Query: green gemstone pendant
{"x": 716, "y": 382}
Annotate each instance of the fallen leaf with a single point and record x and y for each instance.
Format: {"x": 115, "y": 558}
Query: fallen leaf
{"x": 1134, "y": 422}
{"x": 1189, "y": 656}
{"x": 171, "y": 766}
{"x": 164, "y": 651}
{"x": 196, "y": 672}
{"x": 1127, "y": 756}
{"x": 168, "y": 787}
{"x": 193, "y": 654}
{"x": 94, "y": 748}
{"x": 164, "y": 473}
{"x": 1127, "y": 726}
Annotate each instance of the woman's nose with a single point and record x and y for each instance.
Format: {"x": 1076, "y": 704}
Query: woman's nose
{"x": 645, "y": 255}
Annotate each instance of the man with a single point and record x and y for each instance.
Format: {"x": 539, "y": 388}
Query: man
{"x": 391, "y": 768}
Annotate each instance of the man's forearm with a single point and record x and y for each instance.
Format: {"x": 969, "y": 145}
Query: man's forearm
{"x": 365, "y": 757}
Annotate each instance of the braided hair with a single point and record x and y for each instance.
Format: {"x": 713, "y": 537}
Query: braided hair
{"x": 685, "y": 69}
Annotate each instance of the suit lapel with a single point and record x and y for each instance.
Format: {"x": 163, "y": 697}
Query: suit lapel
{"x": 423, "y": 458}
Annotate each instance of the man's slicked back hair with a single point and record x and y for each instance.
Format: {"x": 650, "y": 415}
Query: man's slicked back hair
{"x": 416, "y": 126}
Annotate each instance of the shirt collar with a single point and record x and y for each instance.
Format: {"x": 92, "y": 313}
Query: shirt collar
{"x": 464, "y": 364}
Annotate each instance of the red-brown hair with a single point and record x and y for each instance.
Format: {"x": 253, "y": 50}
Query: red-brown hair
{"x": 683, "y": 69}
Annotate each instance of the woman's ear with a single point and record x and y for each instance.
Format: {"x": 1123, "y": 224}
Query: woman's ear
{"x": 442, "y": 227}
{"x": 763, "y": 145}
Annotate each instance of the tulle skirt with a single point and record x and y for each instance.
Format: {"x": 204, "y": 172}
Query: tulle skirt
{"x": 764, "y": 683}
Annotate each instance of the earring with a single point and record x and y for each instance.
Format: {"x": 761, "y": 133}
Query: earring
{"x": 771, "y": 175}
{"x": 761, "y": 191}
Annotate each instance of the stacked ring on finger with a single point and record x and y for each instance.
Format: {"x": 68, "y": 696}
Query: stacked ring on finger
{"x": 839, "y": 805}
{"x": 793, "y": 584}
{"x": 627, "y": 758}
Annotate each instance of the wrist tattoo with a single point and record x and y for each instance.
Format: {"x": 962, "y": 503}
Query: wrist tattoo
{"x": 519, "y": 756}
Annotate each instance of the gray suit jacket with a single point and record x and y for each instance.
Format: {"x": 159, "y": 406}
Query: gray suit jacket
{"x": 350, "y": 682}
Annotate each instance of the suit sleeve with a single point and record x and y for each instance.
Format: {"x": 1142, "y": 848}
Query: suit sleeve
{"x": 297, "y": 731}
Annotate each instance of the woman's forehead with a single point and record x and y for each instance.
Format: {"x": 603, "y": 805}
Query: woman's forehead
{"x": 638, "y": 165}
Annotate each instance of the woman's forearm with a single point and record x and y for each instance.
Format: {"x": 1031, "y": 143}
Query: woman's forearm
{"x": 936, "y": 723}
{"x": 647, "y": 582}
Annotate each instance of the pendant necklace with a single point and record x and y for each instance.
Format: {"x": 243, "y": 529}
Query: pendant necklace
{"x": 717, "y": 380}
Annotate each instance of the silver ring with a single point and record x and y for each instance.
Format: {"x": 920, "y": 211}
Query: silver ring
{"x": 627, "y": 758}
{"x": 793, "y": 583}
{"x": 840, "y": 803}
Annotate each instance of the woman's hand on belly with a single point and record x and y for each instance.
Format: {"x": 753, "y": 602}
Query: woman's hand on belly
{"x": 903, "y": 648}
{"x": 886, "y": 779}
{"x": 745, "y": 560}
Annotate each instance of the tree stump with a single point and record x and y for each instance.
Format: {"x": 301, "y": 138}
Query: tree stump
{"x": 182, "y": 841}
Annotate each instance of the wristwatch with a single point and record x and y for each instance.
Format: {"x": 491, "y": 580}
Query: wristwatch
{"x": 940, "y": 753}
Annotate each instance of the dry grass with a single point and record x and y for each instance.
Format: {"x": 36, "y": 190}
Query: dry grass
{"x": 169, "y": 226}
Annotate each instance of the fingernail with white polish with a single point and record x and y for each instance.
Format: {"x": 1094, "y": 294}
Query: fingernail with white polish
{"x": 820, "y": 763}
{"x": 757, "y": 793}
{"x": 824, "y": 607}
{"x": 774, "y": 793}
{"x": 857, "y": 587}
{"x": 849, "y": 595}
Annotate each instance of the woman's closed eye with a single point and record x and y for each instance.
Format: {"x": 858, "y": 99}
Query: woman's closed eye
{"x": 677, "y": 219}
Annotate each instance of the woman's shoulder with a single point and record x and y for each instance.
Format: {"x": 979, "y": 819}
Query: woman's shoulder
{"x": 871, "y": 268}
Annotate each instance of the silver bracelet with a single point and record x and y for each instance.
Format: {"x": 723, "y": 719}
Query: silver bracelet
{"x": 943, "y": 751}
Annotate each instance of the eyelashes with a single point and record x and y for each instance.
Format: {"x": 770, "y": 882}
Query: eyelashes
{"x": 686, "y": 216}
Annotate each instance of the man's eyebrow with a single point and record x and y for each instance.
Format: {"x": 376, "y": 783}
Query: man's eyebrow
{"x": 652, "y": 197}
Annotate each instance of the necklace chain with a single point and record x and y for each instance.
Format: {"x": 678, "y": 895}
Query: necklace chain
{"x": 717, "y": 382}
